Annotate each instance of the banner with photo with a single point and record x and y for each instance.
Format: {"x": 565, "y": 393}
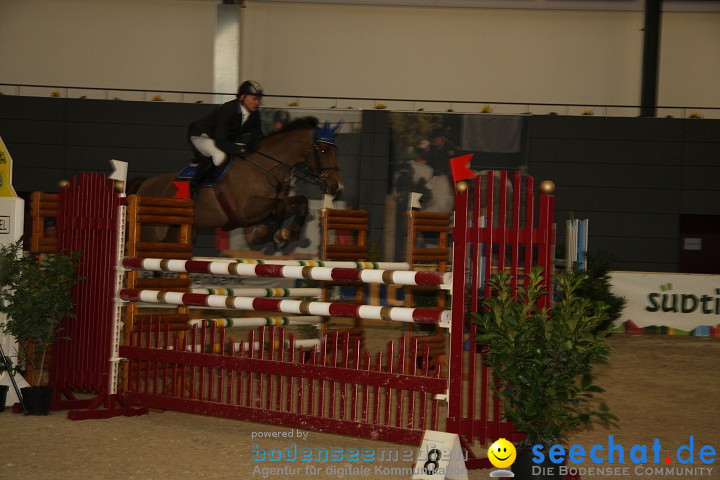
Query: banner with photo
{"x": 422, "y": 144}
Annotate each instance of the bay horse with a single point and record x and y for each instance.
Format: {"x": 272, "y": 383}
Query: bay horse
{"x": 254, "y": 190}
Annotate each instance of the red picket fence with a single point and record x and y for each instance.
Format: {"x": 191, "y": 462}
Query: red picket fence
{"x": 330, "y": 389}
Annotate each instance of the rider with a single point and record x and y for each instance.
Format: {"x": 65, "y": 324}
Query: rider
{"x": 230, "y": 129}
{"x": 441, "y": 150}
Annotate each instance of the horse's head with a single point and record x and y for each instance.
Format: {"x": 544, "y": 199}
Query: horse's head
{"x": 323, "y": 159}
{"x": 317, "y": 160}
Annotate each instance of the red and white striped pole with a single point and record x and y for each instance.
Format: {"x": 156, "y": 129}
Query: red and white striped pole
{"x": 313, "y": 263}
{"x": 290, "y": 271}
{"x": 304, "y": 307}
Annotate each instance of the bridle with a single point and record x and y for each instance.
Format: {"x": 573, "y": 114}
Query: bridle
{"x": 322, "y": 172}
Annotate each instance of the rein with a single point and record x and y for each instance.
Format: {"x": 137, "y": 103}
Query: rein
{"x": 319, "y": 176}
{"x": 268, "y": 171}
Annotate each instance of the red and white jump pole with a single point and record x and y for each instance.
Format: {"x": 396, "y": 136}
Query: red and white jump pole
{"x": 304, "y": 307}
{"x": 437, "y": 279}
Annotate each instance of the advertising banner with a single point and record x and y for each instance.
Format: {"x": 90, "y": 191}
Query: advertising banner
{"x": 676, "y": 300}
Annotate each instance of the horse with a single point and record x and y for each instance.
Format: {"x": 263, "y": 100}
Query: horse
{"x": 438, "y": 193}
{"x": 254, "y": 190}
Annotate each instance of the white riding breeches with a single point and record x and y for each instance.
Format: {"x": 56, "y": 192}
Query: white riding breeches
{"x": 207, "y": 147}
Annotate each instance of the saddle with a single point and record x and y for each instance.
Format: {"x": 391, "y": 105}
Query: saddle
{"x": 187, "y": 173}
{"x": 213, "y": 180}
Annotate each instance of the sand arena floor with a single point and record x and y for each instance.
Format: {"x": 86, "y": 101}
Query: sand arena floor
{"x": 661, "y": 387}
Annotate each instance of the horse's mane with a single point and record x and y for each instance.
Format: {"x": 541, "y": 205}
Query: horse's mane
{"x": 302, "y": 123}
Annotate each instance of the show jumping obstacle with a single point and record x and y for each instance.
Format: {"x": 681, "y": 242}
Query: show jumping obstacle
{"x": 289, "y": 271}
{"x": 144, "y": 216}
{"x": 44, "y": 212}
{"x": 424, "y": 229}
{"x": 484, "y": 242}
{"x": 344, "y": 235}
{"x": 328, "y": 309}
{"x": 230, "y": 322}
{"x": 336, "y": 387}
{"x": 85, "y": 358}
{"x": 260, "y": 292}
{"x": 318, "y": 263}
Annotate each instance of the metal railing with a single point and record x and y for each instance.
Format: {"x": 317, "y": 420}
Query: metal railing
{"x": 361, "y": 103}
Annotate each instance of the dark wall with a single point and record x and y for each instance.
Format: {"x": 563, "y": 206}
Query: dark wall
{"x": 54, "y": 138}
{"x": 373, "y": 171}
{"x": 632, "y": 177}
{"x": 51, "y": 139}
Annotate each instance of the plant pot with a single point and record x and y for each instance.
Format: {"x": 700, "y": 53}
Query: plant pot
{"x": 37, "y": 399}
{"x": 3, "y": 396}
{"x": 523, "y": 467}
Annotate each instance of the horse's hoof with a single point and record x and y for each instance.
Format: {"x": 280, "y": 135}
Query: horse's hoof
{"x": 279, "y": 240}
{"x": 261, "y": 231}
{"x": 258, "y": 235}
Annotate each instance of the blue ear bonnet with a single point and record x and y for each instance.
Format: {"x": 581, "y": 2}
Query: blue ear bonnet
{"x": 326, "y": 133}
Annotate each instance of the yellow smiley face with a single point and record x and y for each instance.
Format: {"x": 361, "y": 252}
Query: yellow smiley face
{"x": 502, "y": 453}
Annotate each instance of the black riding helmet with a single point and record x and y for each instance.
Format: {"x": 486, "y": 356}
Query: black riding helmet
{"x": 250, "y": 87}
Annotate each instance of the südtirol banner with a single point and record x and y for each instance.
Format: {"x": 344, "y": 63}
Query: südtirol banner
{"x": 676, "y": 300}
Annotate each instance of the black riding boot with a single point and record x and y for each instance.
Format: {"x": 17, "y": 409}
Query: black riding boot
{"x": 204, "y": 170}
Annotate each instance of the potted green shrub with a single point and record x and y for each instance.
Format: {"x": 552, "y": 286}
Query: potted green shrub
{"x": 543, "y": 361}
{"x": 35, "y": 294}
{"x": 597, "y": 286}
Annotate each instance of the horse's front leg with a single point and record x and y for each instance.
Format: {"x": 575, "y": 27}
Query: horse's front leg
{"x": 293, "y": 208}
{"x": 263, "y": 231}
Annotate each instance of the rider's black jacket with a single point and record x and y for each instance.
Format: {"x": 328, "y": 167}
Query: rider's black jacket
{"x": 224, "y": 125}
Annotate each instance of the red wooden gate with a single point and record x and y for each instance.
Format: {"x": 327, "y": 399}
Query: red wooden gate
{"x": 494, "y": 231}
{"x": 87, "y": 222}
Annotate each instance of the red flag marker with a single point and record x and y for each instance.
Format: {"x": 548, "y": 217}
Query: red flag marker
{"x": 460, "y": 167}
{"x": 183, "y": 189}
